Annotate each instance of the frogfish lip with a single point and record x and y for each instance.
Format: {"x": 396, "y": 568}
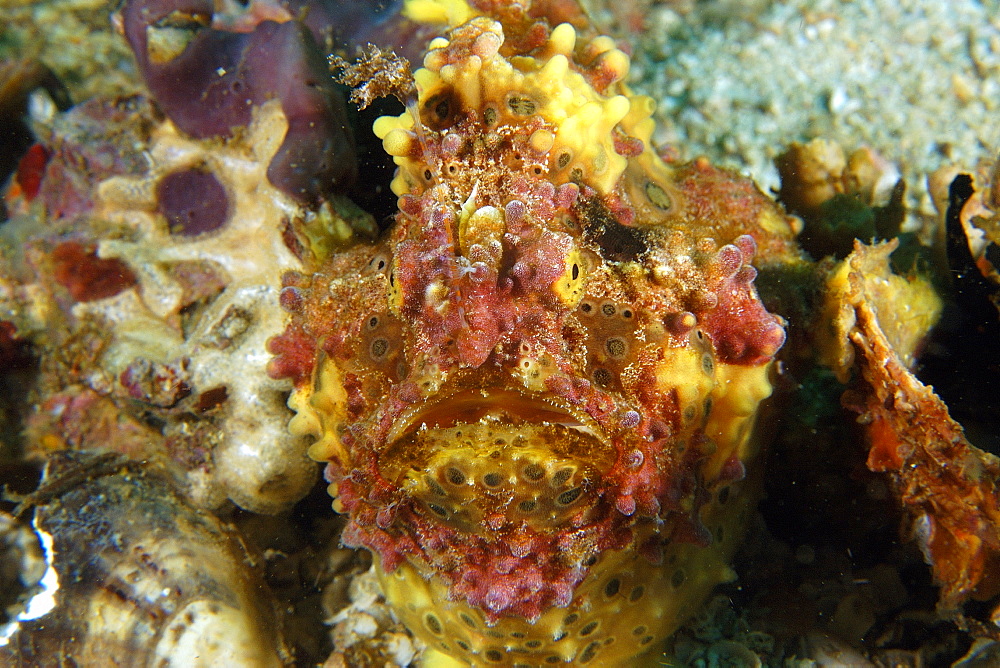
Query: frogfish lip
{"x": 468, "y": 405}
{"x": 485, "y": 459}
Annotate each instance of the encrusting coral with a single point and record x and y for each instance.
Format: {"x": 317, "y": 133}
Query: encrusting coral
{"x": 947, "y": 486}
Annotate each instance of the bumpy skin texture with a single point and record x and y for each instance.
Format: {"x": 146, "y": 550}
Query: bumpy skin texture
{"x": 537, "y": 393}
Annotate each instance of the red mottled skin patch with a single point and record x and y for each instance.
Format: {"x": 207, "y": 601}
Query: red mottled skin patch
{"x": 295, "y": 356}
{"x": 741, "y": 328}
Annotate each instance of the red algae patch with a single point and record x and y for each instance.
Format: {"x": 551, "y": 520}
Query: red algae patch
{"x": 86, "y": 276}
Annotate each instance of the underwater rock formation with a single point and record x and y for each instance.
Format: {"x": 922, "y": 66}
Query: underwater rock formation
{"x": 158, "y": 281}
{"x": 947, "y": 486}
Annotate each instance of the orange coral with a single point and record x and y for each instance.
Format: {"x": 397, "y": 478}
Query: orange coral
{"x": 946, "y": 485}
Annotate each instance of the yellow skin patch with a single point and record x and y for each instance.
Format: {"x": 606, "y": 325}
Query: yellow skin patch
{"x": 580, "y": 121}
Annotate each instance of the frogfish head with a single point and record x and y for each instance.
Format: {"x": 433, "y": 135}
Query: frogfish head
{"x": 536, "y": 394}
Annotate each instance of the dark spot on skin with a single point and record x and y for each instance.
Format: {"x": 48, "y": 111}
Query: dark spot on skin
{"x": 615, "y": 347}
{"x": 533, "y": 644}
{"x": 603, "y": 377}
{"x": 533, "y": 472}
{"x": 379, "y": 348}
{"x": 616, "y": 242}
{"x": 433, "y": 624}
{"x": 589, "y": 628}
{"x": 658, "y": 196}
{"x": 561, "y": 476}
{"x": 589, "y": 652}
{"x": 441, "y": 110}
{"x": 611, "y": 589}
{"x": 563, "y": 161}
{"x": 677, "y": 579}
{"x": 636, "y": 594}
{"x": 569, "y": 496}
{"x": 438, "y": 510}
{"x": 521, "y": 106}
{"x": 608, "y": 309}
{"x": 435, "y": 487}
{"x": 463, "y": 645}
{"x": 492, "y": 479}
{"x": 575, "y": 272}
{"x": 527, "y": 506}
{"x": 493, "y": 655}
{"x": 707, "y": 364}
{"x": 490, "y": 116}
{"x": 469, "y": 621}
{"x": 438, "y": 111}
{"x": 454, "y": 476}
{"x": 587, "y": 307}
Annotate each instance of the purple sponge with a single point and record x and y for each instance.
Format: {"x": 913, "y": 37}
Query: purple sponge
{"x": 208, "y": 80}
